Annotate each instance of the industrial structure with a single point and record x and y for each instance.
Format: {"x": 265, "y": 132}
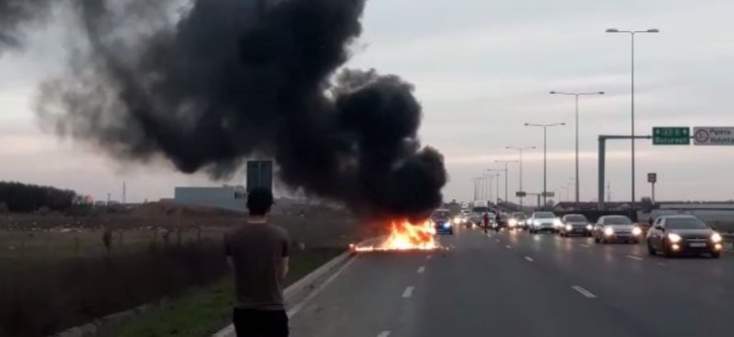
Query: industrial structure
{"x": 225, "y": 197}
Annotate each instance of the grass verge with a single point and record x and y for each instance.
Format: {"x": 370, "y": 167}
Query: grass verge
{"x": 203, "y": 311}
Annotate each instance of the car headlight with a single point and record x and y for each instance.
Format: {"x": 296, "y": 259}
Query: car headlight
{"x": 569, "y": 227}
{"x": 589, "y": 227}
{"x": 636, "y": 231}
{"x": 536, "y": 223}
{"x": 447, "y": 225}
{"x": 608, "y": 231}
{"x": 557, "y": 223}
{"x": 513, "y": 223}
{"x": 716, "y": 238}
{"x": 457, "y": 220}
{"x": 674, "y": 238}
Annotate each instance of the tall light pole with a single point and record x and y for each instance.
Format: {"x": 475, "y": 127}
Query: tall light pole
{"x": 506, "y": 170}
{"x": 520, "y": 150}
{"x": 545, "y": 156}
{"x": 632, "y": 34}
{"x": 476, "y": 187}
{"x": 497, "y": 186}
{"x": 576, "y": 95}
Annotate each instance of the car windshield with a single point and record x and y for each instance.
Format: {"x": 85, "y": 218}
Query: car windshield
{"x": 519, "y": 216}
{"x": 617, "y": 220}
{"x": 544, "y": 215}
{"x": 685, "y": 223}
{"x": 480, "y": 209}
{"x": 576, "y": 218}
{"x": 441, "y": 214}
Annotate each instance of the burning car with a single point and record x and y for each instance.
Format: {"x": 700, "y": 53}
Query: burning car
{"x": 403, "y": 235}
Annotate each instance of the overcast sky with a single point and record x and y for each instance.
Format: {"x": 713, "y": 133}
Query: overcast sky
{"x": 481, "y": 68}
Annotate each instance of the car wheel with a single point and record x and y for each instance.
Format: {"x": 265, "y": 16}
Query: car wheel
{"x": 596, "y": 240}
{"x": 715, "y": 255}
{"x": 666, "y": 251}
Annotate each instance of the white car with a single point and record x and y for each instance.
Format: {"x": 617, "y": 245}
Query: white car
{"x": 543, "y": 222}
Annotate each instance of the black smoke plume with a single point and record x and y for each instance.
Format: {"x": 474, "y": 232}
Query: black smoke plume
{"x": 14, "y": 14}
{"x": 225, "y": 80}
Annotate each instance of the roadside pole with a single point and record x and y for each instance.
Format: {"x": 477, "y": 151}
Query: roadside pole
{"x": 652, "y": 178}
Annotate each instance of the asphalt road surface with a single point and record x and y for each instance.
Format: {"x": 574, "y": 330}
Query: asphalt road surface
{"x": 517, "y": 284}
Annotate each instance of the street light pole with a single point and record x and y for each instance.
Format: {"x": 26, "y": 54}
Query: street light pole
{"x": 506, "y": 170}
{"x": 497, "y": 186}
{"x": 576, "y": 96}
{"x": 520, "y": 151}
{"x": 545, "y": 156}
{"x": 632, "y": 34}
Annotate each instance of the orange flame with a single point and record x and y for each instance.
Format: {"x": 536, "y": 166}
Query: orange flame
{"x": 405, "y": 235}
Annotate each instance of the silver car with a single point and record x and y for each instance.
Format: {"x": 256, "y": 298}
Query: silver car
{"x": 616, "y": 228}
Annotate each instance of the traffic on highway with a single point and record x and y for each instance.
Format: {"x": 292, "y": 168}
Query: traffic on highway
{"x": 558, "y": 275}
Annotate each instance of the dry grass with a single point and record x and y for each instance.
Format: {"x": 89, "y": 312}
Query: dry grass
{"x": 57, "y": 273}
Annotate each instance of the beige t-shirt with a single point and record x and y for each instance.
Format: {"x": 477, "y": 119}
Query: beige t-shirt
{"x": 257, "y": 251}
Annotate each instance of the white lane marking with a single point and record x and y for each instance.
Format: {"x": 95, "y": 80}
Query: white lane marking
{"x": 408, "y": 293}
{"x": 508, "y": 246}
{"x": 384, "y": 334}
{"x": 421, "y": 270}
{"x": 634, "y": 257}
{"x": 529, "y": 259}
{"x": 585, "y": 245}
{"x": 661, "y": 264}
{"x": 584, "y": 292}
{"x": 298, "y": 307}
{"x": 429, "y": 257}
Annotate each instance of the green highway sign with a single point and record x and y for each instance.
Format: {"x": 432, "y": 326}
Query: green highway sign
{"x": 671, "y": 136}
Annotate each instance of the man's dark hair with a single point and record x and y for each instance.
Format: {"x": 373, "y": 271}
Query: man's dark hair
{"x": 259, "y": 201}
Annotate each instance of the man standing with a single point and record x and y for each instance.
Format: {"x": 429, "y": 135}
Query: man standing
{"x": 258, "y": 254}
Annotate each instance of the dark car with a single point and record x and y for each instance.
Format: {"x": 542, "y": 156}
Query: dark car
{"x": 442, "y": 220}
{"x": 683, "y": 234}
{"x": 575, "y": 224}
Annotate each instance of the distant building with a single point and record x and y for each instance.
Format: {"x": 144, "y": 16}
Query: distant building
{"x": 225, "y": 197}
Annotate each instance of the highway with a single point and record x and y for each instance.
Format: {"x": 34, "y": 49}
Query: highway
{"x": 516, "y": 284}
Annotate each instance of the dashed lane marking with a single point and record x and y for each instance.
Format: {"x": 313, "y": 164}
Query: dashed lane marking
{"x": 583, "y": 292}
{"x": 408, "y": 293}
{"x": 384, "y": 334}
{"x": 634, "y": 257}
{"x": 529, "y": 259}
{"x": 421, "y": 270}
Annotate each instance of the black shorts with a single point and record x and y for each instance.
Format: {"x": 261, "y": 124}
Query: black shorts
{"x": 260, "y": 323}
